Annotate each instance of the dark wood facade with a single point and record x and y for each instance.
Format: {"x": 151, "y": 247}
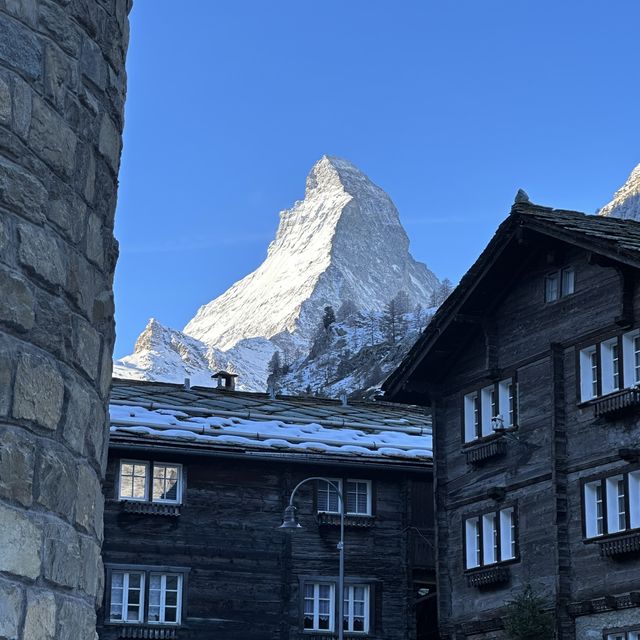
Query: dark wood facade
{"x": 244, "y": 577}
{"x": 500, "y": 325}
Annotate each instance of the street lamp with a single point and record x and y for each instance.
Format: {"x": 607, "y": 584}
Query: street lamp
{"x": 290, "y": 523}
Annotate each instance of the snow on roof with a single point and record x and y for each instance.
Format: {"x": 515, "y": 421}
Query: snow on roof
{"x": 246, "y": 420}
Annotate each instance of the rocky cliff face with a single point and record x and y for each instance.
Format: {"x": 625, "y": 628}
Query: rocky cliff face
{"x": 342, "y": 242}
{"x": 626, "y": 201}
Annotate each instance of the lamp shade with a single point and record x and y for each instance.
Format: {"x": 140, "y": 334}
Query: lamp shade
{"x": 290, "y": 521}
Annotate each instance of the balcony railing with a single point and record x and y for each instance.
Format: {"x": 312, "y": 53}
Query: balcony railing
{"x": 617, "y": 402}
{"x": 620, "y": 545}
{"x": 333, "y": 520}
{"x": 478, "y": 453}
{"x": 487, "y": 577}
{"x": 150, "y": 508}
{"x": 151, "y": 632}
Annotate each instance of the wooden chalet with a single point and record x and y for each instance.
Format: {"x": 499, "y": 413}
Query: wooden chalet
{"x": 197, "y": 482}
{"x": 532, "y": 371}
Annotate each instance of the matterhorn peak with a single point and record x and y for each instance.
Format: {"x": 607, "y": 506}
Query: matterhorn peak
{"x": 626, "y": 200}
{"x": 342, "y": 242}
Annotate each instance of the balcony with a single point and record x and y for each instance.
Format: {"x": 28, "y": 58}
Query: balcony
{"x": 333, "y": 520}
{"x": 617, "y": 402}
{"x": 478, "y": 453}
{"x": 620, "y": 545}
{"x": 481, "y": 578}
{"x": 153, "y": 509}
{"x": 150, "y": 632}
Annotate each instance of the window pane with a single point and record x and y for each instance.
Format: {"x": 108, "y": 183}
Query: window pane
{"x": 551, "y": 287}
{"x": 568, "y": 281}
{"x": 328, "y": 499}
{"x": 171, "y": 614}
{"x": 165, "y": 482}
{"x": 172, "y": 582}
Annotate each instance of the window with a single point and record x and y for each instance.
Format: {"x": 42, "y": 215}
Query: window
{"x": 150, "y": 482}
{"x": 358, "y": 497}
{"x": 145, "y": 596}
{"x": 356, "y": 608}
{"x": 320, "y": 607}
{"x": 559, "y": 284}
{"x": 490, "y": 538}
{"x": 624, "y": 635}
{"x": 612, "y": 504}
{"x": 490, "y": 409}
{"x": 610, "y": 366}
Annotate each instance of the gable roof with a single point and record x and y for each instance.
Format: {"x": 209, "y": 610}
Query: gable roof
{"x": 616, "y": 239}
{"x": 217, "y": 420}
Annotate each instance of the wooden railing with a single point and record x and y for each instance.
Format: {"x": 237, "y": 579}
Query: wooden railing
{"x": 616, "y": 402}
{"x": 478, "y": 453}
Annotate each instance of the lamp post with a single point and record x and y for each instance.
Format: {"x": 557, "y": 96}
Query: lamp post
{"x": 290, "y": 523}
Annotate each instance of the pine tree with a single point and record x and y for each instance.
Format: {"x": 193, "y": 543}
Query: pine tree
{"x": 526, "y": 618}
{"x": 328, "y": 318}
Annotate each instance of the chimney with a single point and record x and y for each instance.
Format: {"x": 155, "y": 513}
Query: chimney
{"x": 187, "y": 384}
{"x": 226, "y": 380}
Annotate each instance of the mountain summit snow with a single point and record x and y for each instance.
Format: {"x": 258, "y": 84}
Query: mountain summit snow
{"x": 626, "y": 200}
{"x": 342, "y": 242}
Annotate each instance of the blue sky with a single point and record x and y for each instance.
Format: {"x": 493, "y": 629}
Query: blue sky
{"x": 450, "y": 106}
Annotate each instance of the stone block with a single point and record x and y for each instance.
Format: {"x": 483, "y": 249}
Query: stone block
{"x": 40, "y": 253}
{"x": 54, "y": 22}
{"x": 7, "y": 367}
{"x": 89, "y": 499}
{"x": 26, "y": 10}
{"x": 52, "y": 139}
{"x": 92, "y": 64}
{"x": 95, "y": 240}
{"x": 86, "y": 347}
{"x": 38, "y": 391}
{"x": 11, "y": 601}
{"x": 84, "y": 283}
{"x": 56, "y": 481}
{"x": 62, "y": 562}
{"x": 40, "y": 620}
{"x": 20, "y": 543}
{"x": 5, "y": 101}
{"x": 97, "y": 432}
{"x": 68, "y": 213}
{"x": 22, "y": 106}
{"x": 16, "y": 301}
{"x": 76, "y": 620}
{"x": 20, "y": 48}
{"x": 60, "y": 76}
{"x": 77, "y": 416}
{"x": 21, "y": 192}
{"x": 92, "y": 573}
{"x": 110, "y": 142}
{"x": 17, "y": 453}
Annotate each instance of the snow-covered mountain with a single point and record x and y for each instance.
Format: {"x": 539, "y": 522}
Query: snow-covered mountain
{"x": 626, "y": 200}
{"x": 342, "y": 242}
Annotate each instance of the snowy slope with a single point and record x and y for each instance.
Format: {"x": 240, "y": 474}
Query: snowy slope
{"x": 626, "y": 201}
{"x": 343, "y": 241}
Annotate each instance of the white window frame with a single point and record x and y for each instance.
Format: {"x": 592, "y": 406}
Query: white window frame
{"x": 163, "y": 596}
{"x": 478, "y": 420}
{"x": 552, "y": 294}
{"x": 596, "y": 522}
{"x": 471, "y": 417}
{"x": 631, "y": 369}
{"x": 624, "y": 635}
{"x": 125, "y": 597}
{"x": 140, "y": 463}
{"x": 349, "y": 616}
{"x": 149, "y": 467}
{"x": 610, "y": 366}
{"x": 587, "y": 378}
{"x": 369, "y": 506}
{"x": 338, "y": 483}
{"x": 613, "y": 485}
{"x": 486, "y": 398}
{"x": 634, "y": 499}
{"x": 488, "y": 544}
{"x": 316, "y": 606}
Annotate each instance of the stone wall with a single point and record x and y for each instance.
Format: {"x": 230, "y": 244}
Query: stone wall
{"x": 62, "y": 90}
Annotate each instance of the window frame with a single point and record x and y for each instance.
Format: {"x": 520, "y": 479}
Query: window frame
{"x": 150, "y": 466}
{"x": 631, "y": 479}
{"x": 146, "y": 571}
{"x": 343, "y": 484}
{"x": 625, "y": 366}
{"x": 480, "y": 546}
{"x": 371, "y": 622}
{"x": 502, "y": 391}
{"x": 559, "y": 275}
{"x": 627, "y": 633}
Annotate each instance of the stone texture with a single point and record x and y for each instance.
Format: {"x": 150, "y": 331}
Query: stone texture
{"x": 19, "y": 47}
{"x": 40, "y": 254}
{"x": 11, "y": 599}
{"x": 40, "y": 621}
{"x": 38, "y": 391}
{"x": 86, "y": 346}
{"x": 62, "y": 560}
{"x": 7, "y": 366}
{"x": 76, "y": 621}
{"x": 21, "y": 192}
{"x": 89, "y": 501}
{"x": 16, "y": 466}
{"x": 21, "y": 544}
{"x": 16, "y": 302}
{"x": 57, "y": 478}
{"x": 110, "y": 142}
{"x": 5, "y": 101}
